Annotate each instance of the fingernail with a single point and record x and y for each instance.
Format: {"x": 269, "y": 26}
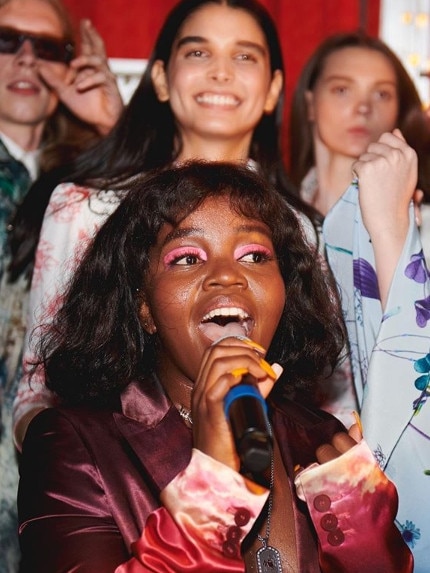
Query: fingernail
{"x": 277, "y": 369}
{"x": 239, "y": 372}
{"x": 268, "y": 369}
{"x": 358, "y": 421}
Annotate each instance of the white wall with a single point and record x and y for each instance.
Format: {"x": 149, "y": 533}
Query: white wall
{"x": 128, "y": 72}
{"x": 404, "y": 26}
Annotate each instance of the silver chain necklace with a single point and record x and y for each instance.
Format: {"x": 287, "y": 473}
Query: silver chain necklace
{"x": 268, "y": 557}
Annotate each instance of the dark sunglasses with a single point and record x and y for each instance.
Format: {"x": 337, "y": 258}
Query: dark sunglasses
{"x": 44, "y": 47}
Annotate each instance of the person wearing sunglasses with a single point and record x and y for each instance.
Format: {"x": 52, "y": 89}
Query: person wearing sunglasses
{"x": 53, "y": 102}
{"x": 44, "y": 47}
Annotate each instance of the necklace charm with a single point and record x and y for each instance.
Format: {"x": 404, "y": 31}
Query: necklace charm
{"x": 268, "y": 560}
{"x": 185, "y": 414}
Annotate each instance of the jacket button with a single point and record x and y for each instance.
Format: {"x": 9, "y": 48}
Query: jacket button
{"x": 329, "y": 522}
{"x": 336, "y": 537}
{"x": 322, "y": 503}
{"x": 234, "y": 534}
{"x": 242, "y": 516}
{"x": 230, "y": 549}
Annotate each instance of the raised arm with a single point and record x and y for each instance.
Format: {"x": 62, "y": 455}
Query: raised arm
{"x": 387, "y": 175}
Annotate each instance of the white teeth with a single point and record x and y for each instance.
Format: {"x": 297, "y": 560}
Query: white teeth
{"x": 216, "y": 99}
{"x": 23, "y": 85}
{"x": 231, "y": 311}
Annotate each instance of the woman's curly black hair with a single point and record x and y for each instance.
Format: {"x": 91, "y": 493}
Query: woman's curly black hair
{"x": 96, "y": 344}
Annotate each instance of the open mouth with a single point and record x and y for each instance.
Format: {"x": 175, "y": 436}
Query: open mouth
{"x": 222, "y": 322}
{"x": 220, "y": 100}
{"x": 24, "y": 86}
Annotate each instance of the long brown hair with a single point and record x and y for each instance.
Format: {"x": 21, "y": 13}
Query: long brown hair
{"x": 411, "y": 120}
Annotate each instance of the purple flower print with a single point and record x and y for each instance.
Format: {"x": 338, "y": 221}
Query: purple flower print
{"x": 422, "y": 308}
{"x": 416, "y": 270}
{"x": 365, "y": 279}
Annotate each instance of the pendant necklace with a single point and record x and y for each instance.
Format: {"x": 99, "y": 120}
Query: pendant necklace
{"x": 269, "y": 558}
{"x": 185, "y": 414}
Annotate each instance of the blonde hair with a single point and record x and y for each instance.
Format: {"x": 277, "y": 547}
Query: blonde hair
{"x": 63, "y": 14}
{"x": 64, "y": 135}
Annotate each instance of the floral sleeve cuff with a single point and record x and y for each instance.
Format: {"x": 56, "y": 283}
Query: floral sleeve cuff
{"x": 353, "y": 505}
{"x": 207, "y": 511}
{"x": 214, "y": 503}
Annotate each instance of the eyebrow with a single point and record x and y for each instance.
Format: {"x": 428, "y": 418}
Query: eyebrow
{"x": 337, "y": 77}
{"x": 201, "y": 40}
{"x": 197, "y": 231}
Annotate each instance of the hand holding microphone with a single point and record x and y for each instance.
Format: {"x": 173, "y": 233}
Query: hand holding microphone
{"x": 246, "y": 410}
{"x": 231, "y": 419}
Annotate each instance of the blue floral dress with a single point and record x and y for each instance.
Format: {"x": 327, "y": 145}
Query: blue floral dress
{"x": 390, "y": 356}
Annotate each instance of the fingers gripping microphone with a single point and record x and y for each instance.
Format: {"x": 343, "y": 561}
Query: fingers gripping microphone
{"x": 246, "y": 410}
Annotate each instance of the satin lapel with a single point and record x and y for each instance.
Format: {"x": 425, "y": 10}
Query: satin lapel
{"x": 149, "y": 422}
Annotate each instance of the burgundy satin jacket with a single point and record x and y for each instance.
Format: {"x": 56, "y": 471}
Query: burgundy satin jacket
{"x": 118, "y": 463}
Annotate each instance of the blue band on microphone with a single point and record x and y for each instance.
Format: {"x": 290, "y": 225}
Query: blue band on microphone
{"x": 242, "y": 390}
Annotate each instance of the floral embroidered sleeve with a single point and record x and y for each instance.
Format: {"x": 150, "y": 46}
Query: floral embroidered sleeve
{"x": 207, "y": 511}
{"x": 71, "y": 220}
{"x": 353, "y": 505}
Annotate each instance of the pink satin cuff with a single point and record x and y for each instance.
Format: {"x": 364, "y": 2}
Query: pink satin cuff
{"x": 353, "y": 504}
{"x": 208, "y": 510}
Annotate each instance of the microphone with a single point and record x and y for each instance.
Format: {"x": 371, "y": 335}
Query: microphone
{"x": 246, "y": 410}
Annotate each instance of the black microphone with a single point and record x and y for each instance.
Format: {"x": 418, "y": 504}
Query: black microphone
{"x": 246, "y": 410}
